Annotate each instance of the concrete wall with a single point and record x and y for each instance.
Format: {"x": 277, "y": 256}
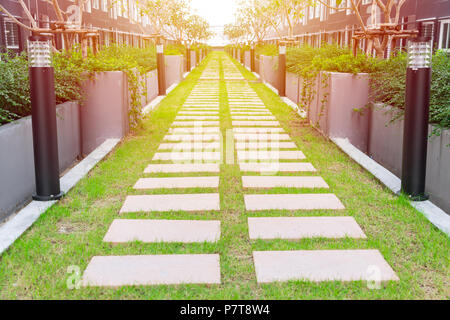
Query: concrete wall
{"x": 17, "y": 180}
{"x": 385, "y": 147}
{"x": 247, "y": 59}
{"x": 174, "y": 69}
{"x": 151, "y": 80}
{"x": 193, "y": 59}
{"x": 268, "y": 70}
{"x": 104, "y": 113}
{"x": 292, "y": 87}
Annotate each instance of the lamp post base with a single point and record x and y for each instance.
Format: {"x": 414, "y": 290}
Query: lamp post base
{"x": 48, "y": 198}
{"x": 419, "y": 198}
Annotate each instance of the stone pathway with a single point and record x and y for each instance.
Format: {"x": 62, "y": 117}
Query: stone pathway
{"x": 269, "y": 160}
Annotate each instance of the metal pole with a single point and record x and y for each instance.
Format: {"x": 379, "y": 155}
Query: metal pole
{"x": 282, "y": 70}
{"x": 252, "y": 58}
{"x": 161, "y": 65}
{"x": 188, "y": 58}
{"x": 43, "y": 119}
{"x": 417, "y": 102}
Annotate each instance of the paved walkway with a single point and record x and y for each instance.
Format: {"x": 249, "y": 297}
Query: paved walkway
{"x": 268, "y": 158}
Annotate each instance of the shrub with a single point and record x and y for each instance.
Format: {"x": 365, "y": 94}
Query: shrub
{"x": 267, "y": 50}
{"x": 388, "y": 86}
{"x": 174, "y": 50}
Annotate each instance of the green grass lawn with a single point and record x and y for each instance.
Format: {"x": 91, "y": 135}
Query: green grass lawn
{"x": 71, "y": 232}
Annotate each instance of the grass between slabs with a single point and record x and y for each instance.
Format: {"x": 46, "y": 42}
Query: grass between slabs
{"x": 71, "y": 233}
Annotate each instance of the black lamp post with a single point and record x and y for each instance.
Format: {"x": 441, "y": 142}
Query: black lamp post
{"x": 43, "y": 119}
{"x": 252, "y": 58}
{"x": 282, "y": 70}
{"x": 188, "y": 58}
{"x": 415, "y": 138}
{"x": 161, "y": 66}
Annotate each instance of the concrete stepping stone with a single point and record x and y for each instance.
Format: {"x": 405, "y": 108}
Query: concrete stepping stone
{"x": 265, "y": 145}
{"x": 195, "y": 123}
{"x": 313, "y": 201}
{"x": 258, "y": 130}
{"x": 273, "y": 167}
{"x": 253, "y": 117}
{"x": 177, "y": 183}
{"x": 201, "y": 113}
{"x": 188, "y": 146}
{"x": 256, "y": 123}
{"x": 192, "y": 137}
{"x": 304, "y": 227}
{"x": 151, "y": 231}
{"x": 321, "y": 265}
{"x": 252, "y": 113}
{"x": 262, "y": 137}
{"x": 172, "y": 202}
{"x": 117, "y": 271}
{"x": 178, "y": 118}
{"x": 244, "y": 155}
{"x": 182, "y": 168}
{"x": 187, "y": 156}
{"x": 198, "y": 130}
{"x": 283, "y": 182}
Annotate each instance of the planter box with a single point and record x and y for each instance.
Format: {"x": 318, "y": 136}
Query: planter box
{"x": 104, "y": 113}
{"x": 247, "y": 59}
{"x": 193, "y": 59}
{"x": 292, "y": 87}
{"x": 17, "y": 180}
{"x": 386, "y": 147}
{"x": 268, "y": 70}
{"x": 333, "y": 107}
{"x": 174, "y": 69}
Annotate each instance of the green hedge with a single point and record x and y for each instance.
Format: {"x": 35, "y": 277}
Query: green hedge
{"x": 388, "y": 86}
{"x": 70, "y": 71}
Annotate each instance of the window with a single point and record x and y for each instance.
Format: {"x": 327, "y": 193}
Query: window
{"x": 444, "y": 35}
{"x": 305, "y": 16}
{"x": 366, "y": 1}
{"x": 311, "y": 13}
{"x": 87, "y": 6}
{"x": 104, "y": 5}
{"x": 317, "y": 11}
{"x": 125, "y": 8}
{"x": 323, "y": 12}
{"x": 332, "y": 5}
{"x": 11, "y": 34}
{"x": 96, "y": 4}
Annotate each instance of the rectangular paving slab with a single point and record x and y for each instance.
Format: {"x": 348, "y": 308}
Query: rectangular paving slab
{"x": 256, "y": 123}
{"x": 269, "y": 155}
{"x": 195, "y": 123}
{"x": 304, "y": 227}
{"x": 177, "y": 183}
{"x": 195, "y": 130}
{"x": 192, "y": 137}
{"x": 182, "y": 168}
{"x": 258, "y": 130}
{"x": 253, "y": 118}
{"x": 262, "y": 136}
{"x": 277, "y": 167}
{"x": 313, "y": 201}
{"x": 187, "y": 156}
{"x": 199, "y": 118}
{"x": 172, "y": 202}
{"x": 150, "y": 231}
{"x": 146, "y": 270}
{"x": 283, "y": 182}
{"x": 272, "y": 144}
{"x": 194, "y": 145}
{"x": 322, "y": 265}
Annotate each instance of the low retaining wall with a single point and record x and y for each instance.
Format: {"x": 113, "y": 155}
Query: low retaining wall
{"x": 81, "y": 129}
{"x": 174, "y": 69}
{"x": 17, "y": 180}
{"x": 247, "y": 59}
{"x": 385, "y": 147}
{"x": 268, "y": 70}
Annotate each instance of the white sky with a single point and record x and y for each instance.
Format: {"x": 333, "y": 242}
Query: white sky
{"x": 217, "y": 13}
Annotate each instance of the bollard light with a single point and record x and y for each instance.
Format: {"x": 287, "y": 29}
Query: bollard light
{"x": 161, "y": 66}
{"x": 188, "y": 58}
{"x": 252, "y": 58}
{"x": 43, "y": 119}
{"x": 417, "y": 103}
{"x": 282, "y": 70}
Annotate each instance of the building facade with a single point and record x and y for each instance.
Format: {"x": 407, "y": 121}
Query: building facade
{"x": 117, "y": 21}
{"x": 323, "y": 24}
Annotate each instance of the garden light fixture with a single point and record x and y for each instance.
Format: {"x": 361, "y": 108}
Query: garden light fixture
{"x": 43, "y": 119}
{"x": 417, "y": 103}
